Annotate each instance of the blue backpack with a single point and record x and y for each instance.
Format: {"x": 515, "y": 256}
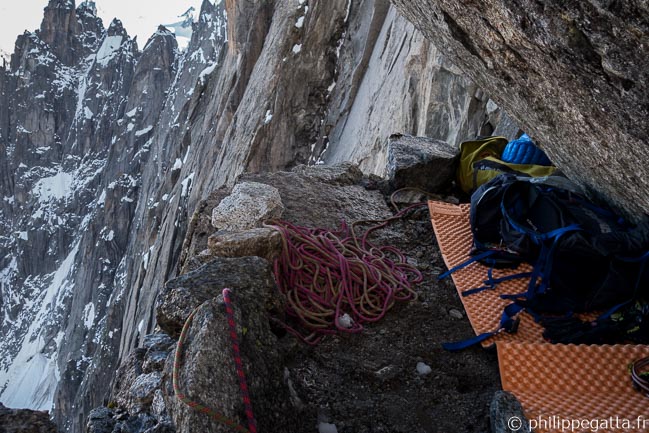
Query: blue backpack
{"x": 585, "y": 258}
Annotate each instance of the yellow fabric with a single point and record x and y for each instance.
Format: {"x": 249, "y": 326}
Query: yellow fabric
{"x": 480, "y": 162}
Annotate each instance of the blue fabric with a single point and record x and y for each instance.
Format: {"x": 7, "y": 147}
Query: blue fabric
{"x": 463, "y": 265}
{"x": 508, "y": 322}
{"x": 524, "y": 151}
{"x": 492, "y": 282}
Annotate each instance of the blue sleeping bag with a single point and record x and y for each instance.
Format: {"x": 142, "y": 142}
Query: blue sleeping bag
{"x": 524, "y": 151}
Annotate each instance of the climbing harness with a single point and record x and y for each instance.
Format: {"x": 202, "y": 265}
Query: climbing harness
{"x": 243, "y": 386}
{"x": 335, "y": 281}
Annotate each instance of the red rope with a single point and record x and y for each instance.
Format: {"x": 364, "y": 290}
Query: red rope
{"x": 243, "y": 386}
{"x": 334, "y": 282}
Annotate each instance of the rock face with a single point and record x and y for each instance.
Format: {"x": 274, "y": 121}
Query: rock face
{"x": 71, "y": 174}
{"x": 102, "y": 171}
{"x": 572, "y": 74}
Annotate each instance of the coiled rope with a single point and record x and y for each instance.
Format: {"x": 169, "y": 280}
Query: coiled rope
{"x": 335, "y": 281}
{"x": 243, "y": 386}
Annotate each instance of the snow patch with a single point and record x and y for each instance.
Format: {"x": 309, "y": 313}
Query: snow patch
{"x": 54, "y": 187}
{"x": 186, "y": 184}
{"x": 268, "y": 118}
{"x": 186, "y": 155}
{"x": 144, "y": 131}
{"x": 107, "y": 235}
{"x": 207, "y": 71}
{"x": 300, "y": 22}
{"x": 89, "y": 315}
{"x": 108, "y": 49}
{"x": 297, "y": 48}
{"x": 30, "y": 380}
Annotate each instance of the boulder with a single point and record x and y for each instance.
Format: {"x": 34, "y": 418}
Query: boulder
{"x": 207, "y": 371}
{"x": 25, "y": 421}
{"x": 105, "y": 420}
{"x": 157, "y": 342}
{"x": 154, "y": 361}
{"x": 420, "y": 162}
{"x": 248, "y": 206}
{"x": 344, "y": 173}
{"x": 100, "y": 420}
{"x": 183, "y": 294}
{"x": 572, "y": 74}
{"x": 126, "y": 375}
{"x": 262, "y": 242}
{"x": 322, "y": 198}
{"x": 137, "y": 405}
{"x": 143, "y": 388}
{"x": 506, "y": 414}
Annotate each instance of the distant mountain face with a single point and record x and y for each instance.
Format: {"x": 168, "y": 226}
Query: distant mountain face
{"x": 79, "y": 107}
{"x": 106, "y": 149}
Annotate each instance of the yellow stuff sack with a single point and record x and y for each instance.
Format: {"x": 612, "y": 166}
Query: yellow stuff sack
{"x": 480, "y": 162}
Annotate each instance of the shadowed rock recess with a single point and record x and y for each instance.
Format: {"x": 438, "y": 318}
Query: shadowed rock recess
{"x": 573, "y": 74}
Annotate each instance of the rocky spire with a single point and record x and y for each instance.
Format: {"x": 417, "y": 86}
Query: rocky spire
{"x": 60, "y": 28}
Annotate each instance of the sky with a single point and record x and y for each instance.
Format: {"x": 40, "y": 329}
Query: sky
{"x": 140, "y": 17}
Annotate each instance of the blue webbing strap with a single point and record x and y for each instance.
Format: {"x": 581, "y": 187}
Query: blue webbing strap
{"x": 543, "y": 266}
{"x": 508, "y": 323}
{"x": 463, "y": 265}
{"x": 491, "y": 283}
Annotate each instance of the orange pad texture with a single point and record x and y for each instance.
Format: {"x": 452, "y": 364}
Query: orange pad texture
{"x": 575, "y": 384}
{"x": 484, "y": 309}
{"x": 557, "y": 385}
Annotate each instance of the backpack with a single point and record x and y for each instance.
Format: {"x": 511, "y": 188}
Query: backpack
{"x": 584, "y": 257}
{"x": 481, "y": 160}
{"x": 587, "y": 258}
{"x": 508, "y": 247}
